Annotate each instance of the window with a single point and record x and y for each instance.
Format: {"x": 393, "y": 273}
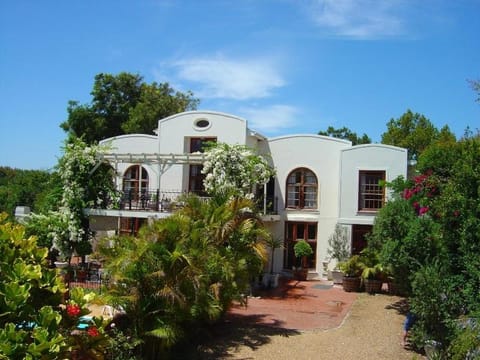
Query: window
{"x": 195, "y": 179}
{"x": 135, "y": 179}
{"x": 201, "y": 124}
{"x": 294, "y": 232}
{"x": 371, "y": 191}
{"x": 130, "y": 226}
{"x": 302, "y": 189}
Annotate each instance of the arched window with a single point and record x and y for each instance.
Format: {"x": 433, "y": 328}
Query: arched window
{"x": 135, "y": 180}
{"x": 302, "y": 189}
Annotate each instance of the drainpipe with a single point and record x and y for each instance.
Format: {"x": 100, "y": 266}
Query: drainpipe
{"x": 265, "y": 199}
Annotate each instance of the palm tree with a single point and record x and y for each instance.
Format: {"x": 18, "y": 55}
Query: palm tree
{"x": 186, "y": 269}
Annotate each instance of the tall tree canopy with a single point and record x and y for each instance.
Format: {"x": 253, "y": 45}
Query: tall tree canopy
{"x": 22, "y": 188}
{"x": 124, "y": 104}
{"x": 347, "y": 134}
{"x": 414, "y": 132}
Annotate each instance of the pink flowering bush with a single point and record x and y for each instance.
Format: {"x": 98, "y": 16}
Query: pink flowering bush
{"x": 430, "y": 237}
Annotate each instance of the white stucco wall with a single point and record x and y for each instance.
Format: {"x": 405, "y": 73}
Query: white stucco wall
{"x": 321, "y": 155}
{"x": 176, "y": 131}
{"x": 134, "y": 144}
{"x": 335, "y": 163}
{"x": 391, "y": 159}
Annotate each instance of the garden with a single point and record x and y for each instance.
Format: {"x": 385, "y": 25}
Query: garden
{"x": 180, "y": 274}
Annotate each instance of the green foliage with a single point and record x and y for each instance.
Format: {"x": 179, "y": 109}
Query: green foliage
{"x": 353, "y": 267}
{"x": 466, "y": 343}
{"x": 67, "y": 228}
{"x": 157, "y": 101}
{"x": 30, "y": 294}
{"x": 435, "y": 302}
{"x": 414, "y": 132}
{"x": 124, "y": 104}
{"x": 429, "y": 237}
{"x": 273, "y": 243}
{"x": 22, "y": 188}
{"x": 302, "y": 248}
{"x": 339, "y": 244}
{"x": 347, "y": 134}
{"x": 185, "y": 270}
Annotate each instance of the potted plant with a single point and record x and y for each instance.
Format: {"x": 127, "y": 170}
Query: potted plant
{"x": 352, "y": 270}
{"x": 373, "y": 274}
{"x": 302, "y": 250}
{"x": 271, "y": 279}
{"x": 339, "y": 249}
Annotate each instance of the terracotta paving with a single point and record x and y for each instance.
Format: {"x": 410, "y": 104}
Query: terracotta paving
{"x": 298, "y": 305}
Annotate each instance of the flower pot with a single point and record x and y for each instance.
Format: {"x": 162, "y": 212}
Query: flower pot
{"x": 300, "y": 274}
{"x": 337, "y": 276}
{"x": 351, "y": 283}
{"x": 373, "y": 286}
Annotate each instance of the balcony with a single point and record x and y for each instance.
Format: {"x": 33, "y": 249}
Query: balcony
{"x": 163, "y": 201}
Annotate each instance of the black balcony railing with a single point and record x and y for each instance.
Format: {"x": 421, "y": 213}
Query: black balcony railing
{"x": 167, "y": 201}
{"x": 149, "y": 200}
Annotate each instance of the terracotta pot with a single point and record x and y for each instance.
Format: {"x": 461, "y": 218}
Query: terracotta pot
{"x": 300, "y": 274}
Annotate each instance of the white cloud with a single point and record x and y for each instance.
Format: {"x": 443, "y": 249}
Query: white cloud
{"x": 362, "y": 19}
{"x": 220, "y": 77}
{"x": 271, "y": 119}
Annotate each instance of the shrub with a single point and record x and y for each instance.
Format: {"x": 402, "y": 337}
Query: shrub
{"x": 30, "y": 297}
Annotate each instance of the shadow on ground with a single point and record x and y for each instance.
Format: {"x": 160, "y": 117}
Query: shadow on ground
{"x": 233, "y": 332}
{"x": 401, "y": 306}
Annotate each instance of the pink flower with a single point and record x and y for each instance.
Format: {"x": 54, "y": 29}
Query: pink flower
{"x": 407, "y": 194}
{"x": 423, "y": 210}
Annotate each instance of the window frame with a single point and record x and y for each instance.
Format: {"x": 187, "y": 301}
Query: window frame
{"x": 371, "y": 196}
{"x": 301, "y": 189}
{"x": 195, "y": 176}
{"x": 137, "y": 183}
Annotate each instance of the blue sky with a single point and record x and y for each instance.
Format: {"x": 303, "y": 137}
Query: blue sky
{"x": 287, "y": 66}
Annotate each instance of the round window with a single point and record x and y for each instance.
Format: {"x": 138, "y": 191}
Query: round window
{"x": 202, "y": 124}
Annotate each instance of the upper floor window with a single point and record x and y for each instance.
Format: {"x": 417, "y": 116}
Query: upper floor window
{"x": 302, "y": 189}
{"x": 135, "y": 179}
{"x": 371, "y": 193}
{"x": 195, "y": 180}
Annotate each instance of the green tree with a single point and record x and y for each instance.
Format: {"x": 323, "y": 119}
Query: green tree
{"x": 346, "y": 134}
{"x": 22, "y": 188}
{"x": 429, "y": 236}
{"x": 414, "y": 132}
{"x": 157, "y": 101}
{"x": 123, "y": 104}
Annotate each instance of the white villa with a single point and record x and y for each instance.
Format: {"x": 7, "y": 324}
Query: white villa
{"x": 320, "y": 181}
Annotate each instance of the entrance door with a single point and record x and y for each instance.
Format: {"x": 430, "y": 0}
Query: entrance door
{"x": 359, "y": 240}
{"x": 294, "y": 232}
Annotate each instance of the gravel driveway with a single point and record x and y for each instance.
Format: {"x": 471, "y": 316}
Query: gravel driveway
{"x": 371, "y": 330}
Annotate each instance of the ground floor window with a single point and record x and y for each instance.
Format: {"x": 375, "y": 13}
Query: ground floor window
{"x": 130, "y": 226}
{"x": 295, "y": 231}
{"x": 359, "y": 237}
